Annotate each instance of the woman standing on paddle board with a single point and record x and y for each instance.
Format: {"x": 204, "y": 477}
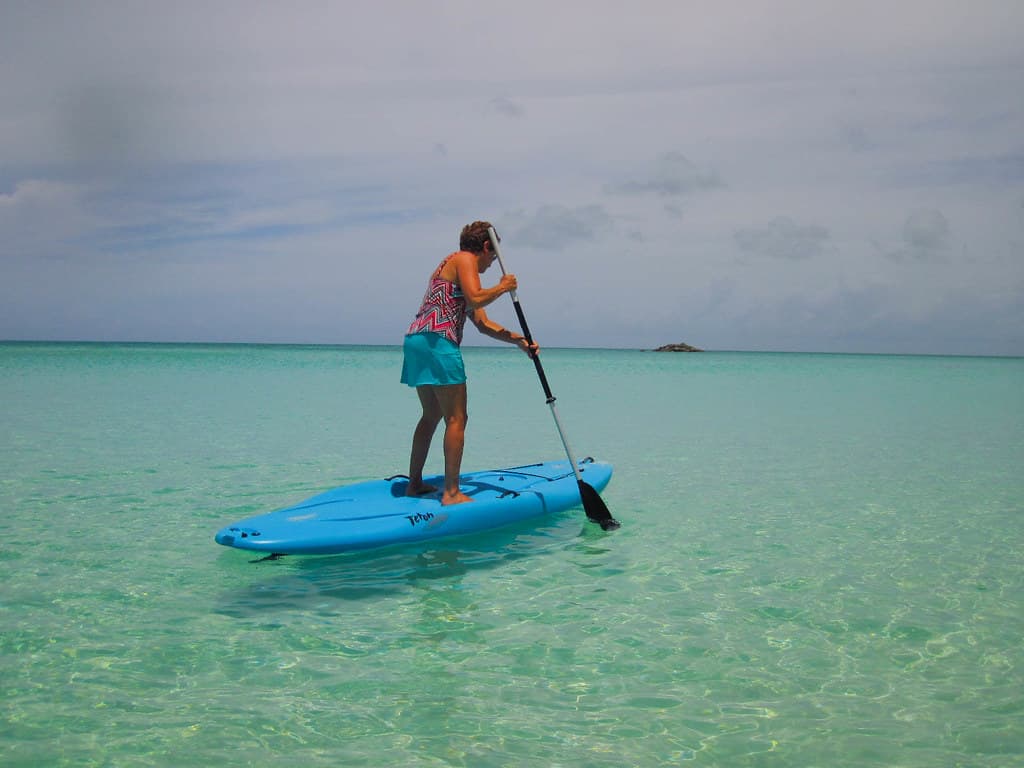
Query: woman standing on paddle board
{"x": 432, "y": 360}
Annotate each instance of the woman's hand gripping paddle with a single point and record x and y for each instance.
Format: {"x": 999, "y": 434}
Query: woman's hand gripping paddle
{"x": 593, "y": 504}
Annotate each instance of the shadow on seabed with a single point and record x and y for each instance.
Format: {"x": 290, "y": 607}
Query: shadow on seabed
{"x": 298, "y": 582}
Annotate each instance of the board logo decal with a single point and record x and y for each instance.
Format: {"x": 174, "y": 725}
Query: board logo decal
{"x": 419, "y": 517}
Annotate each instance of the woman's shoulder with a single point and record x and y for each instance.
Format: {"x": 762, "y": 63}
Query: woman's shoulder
{"x": 449, "y": 268}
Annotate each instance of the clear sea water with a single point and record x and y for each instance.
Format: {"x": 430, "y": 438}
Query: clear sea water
{"x": 821, "y": 564}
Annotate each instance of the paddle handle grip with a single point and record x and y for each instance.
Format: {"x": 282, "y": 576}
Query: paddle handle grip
{"x": 522, "y": 320}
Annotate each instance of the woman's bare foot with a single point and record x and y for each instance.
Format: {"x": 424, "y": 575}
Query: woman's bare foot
{"x": 454, "y": 498}
{"x": 420, "y": 489}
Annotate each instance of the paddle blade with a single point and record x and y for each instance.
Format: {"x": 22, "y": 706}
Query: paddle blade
{"x": 596, "y": 509}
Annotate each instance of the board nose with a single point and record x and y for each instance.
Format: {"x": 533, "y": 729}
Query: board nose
{"x": 228, "y": 536}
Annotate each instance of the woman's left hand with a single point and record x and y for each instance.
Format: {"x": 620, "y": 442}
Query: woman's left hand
{"x": 527, "y": 347}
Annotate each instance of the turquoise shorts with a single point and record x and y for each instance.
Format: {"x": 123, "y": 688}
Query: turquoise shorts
{"x": 430, "y": 358}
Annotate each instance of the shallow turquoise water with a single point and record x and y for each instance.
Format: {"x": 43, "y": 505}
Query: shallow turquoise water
{"x": 821, "y": 564}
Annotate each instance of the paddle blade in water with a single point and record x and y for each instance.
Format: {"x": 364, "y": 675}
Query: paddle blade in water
{"x": 596, "y": 509}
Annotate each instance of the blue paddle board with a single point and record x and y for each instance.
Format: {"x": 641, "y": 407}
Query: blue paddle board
{"x": 377, "y": 513}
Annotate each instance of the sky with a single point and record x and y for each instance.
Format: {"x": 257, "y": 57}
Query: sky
{"x": 790, "y": 175}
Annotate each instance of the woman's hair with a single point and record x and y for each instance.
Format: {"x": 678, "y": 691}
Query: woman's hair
{"x": 474, "y": 236}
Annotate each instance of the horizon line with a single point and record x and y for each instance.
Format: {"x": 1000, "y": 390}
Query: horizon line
{"x": 137, "y": 342}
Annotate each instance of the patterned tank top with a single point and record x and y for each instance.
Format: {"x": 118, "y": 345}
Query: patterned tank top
{"x": 443, "y": 310}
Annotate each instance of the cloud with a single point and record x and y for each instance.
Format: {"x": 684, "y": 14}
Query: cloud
{"x": 926, "y": 230}
{"x": 556, "y": 226}
{"x": 672, "y": 175}
{"x": 113, "y": 124}
{"x": 173, "y": 146}
{"x": 41, "y": 217}
{"x": 32, "y": 193}
{"x": 505, "y": 106}
{"x": 1006, "y": 169}
{"x": 675, "y": 211}
{"x": 782, "y": 238}
{"x": 925, "y": 237}
{"x": 856, "y": 138}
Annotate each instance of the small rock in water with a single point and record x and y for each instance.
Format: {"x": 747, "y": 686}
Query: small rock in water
{"x": 680, "y": 347}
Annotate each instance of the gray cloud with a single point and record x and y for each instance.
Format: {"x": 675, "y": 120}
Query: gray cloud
{"x": 43, "y": 218}
{"x": 782, "y": 238}
{"x": 972, "y": 169}
{"x": 856, "y": 137}
{"x": 556, "y": 226}
{"x": 926, "y": 230}
{"x": 505, "y": 106}
{"x": 672, "y": 175}
{"x": 113, "y": 125}
{"x": 881, "y": 317}
{"x": 925, "y": 237}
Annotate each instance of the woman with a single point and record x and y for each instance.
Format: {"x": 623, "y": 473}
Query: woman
{"x": 433, "y": 361}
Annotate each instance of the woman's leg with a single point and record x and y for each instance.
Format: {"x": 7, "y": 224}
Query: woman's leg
{"x": 421, "y": 438}
{"x": 452, "y": 400}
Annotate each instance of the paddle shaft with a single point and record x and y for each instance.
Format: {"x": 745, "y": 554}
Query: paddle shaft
{"x": 536, "y": 360}
{"x": 529, "y": 340}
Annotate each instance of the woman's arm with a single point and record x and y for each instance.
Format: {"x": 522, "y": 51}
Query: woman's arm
{"x": 488, "y": 327}
{"x": 469, "y": 281}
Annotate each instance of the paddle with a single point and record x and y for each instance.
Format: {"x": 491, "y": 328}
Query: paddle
{"x": 593, "y": 504}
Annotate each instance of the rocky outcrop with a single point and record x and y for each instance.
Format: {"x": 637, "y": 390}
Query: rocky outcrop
{"x": 680, "y": 347}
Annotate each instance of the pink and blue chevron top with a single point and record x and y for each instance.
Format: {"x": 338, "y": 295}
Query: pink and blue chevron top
{"x": 443, "y": 310}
